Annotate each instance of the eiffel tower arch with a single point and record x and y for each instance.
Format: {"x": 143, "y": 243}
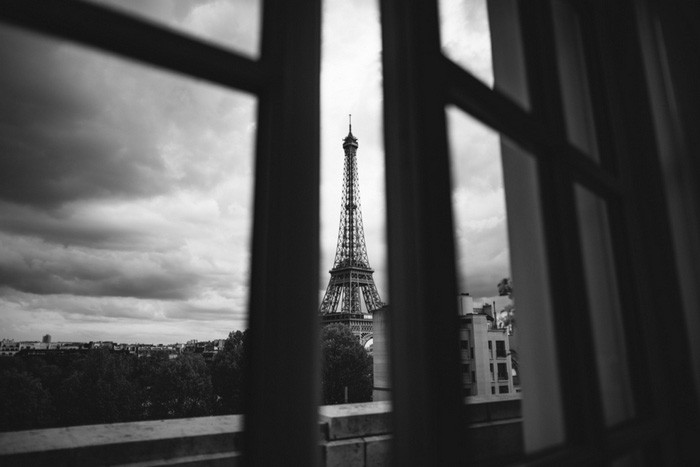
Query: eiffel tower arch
{"x": 351, "y": 275}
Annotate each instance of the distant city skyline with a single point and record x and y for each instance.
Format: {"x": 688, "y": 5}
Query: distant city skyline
{"x": 126, "y": 195}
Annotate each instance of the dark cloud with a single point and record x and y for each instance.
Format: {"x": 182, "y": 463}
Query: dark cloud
{"x": 67, "y": 229}
{"x": 191, "y": 311}
{"x": 483, "y": 256}
{"x": 77, "y": 125}
{"x": 30, "y": 266}
{"x": 485, "y": 283}
{"x": 125, "y": 191}
{"x": 60, "y": 144}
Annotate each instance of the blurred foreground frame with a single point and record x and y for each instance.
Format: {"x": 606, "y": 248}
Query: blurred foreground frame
{"x": 642, "y": 81}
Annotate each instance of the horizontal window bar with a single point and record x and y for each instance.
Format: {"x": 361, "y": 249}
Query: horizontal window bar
{"x": 135, "y": 39}
{"x": 500, "y": 113}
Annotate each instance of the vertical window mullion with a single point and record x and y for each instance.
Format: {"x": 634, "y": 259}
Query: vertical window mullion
{"x": 424, "y": 328}
{"x": 282, "y": 391}
{"x": 574, "y": 343}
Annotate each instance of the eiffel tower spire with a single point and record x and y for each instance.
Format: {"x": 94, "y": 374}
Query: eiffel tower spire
{"x": 351, "y": 273}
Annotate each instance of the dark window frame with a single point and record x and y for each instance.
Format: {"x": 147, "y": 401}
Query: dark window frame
{"x": 419, "y": 82}
{"x": 285, "y": 79}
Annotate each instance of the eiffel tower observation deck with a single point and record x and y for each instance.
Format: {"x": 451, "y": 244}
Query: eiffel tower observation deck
{"x": 351, "y": 275}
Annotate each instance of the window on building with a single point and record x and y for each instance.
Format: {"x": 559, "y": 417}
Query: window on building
{"x": 473, "y": 377}
{"x": 463, "y": 344}
{"x": 491, "y": 370}
{"x": 465, "y": 368}
{"x": 502, "y": 371}
{"x": 471, "y": 352}
{"x": 500, "y": 349}
{"x": 503, "y": 389}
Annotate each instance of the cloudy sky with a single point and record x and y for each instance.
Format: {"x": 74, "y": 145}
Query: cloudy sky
{"x": 125, "y": 192}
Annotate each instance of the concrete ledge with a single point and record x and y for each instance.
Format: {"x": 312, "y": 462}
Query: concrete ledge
{"x": 344, "y": 453}
{"x": 377, "y": 450}
{"x": 191, "y": 441}
{"x": 478, "y": 409}
{"x": 356, "y": 420}
{"x": 350, "y": 435}
{"x": 494, "y": 443}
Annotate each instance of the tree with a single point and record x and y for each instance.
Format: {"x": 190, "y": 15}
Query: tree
{"x": 344, "y": 363}
{"x": 100, "y": 388}
{"x": 24, "y": 403}
{"x": 228, "y": 375}
{"x": 181, "y": 388}
{"x": 505, "y": 288}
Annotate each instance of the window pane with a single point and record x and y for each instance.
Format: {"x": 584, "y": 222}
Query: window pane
{"x": 483, "y": 37}
{"x": 573, "y": 79}
{"x": 353, "y": 214}
{"x": 234, "y": 24}
{"x": 465, "y": 36}
{"x": 125, "y": 215}
{"x": 508, "y": 312}
{"x": 604, "y": 304}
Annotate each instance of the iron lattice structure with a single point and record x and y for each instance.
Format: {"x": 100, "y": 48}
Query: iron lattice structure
{"x": 351, "y": 271}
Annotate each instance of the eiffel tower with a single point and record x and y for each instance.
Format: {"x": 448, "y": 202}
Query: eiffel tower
{"x": 351, "y": 273}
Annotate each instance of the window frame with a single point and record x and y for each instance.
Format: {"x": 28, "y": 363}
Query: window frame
{"x": 418, "y": 82}
{"x": 286, "y": 81}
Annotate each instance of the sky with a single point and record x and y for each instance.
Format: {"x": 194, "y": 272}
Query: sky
{"x": 126, "y": 191}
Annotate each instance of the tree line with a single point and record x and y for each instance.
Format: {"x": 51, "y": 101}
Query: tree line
{"x": 110, "y": 387}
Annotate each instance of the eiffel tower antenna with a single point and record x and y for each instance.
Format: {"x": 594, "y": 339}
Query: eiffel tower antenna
{"x": 351, "y": 273}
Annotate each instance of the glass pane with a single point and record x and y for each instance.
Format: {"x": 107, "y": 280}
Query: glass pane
{"x": 231, "y": 23}
{"x": 353, "y": 214}
{"x": 483, "y": 37}
{"x": 465, "y": 36}
{"x": 573, "y": 78}
{"x": 125, "y": 216}
{"x": 507, "y": 338}
{"x": 543, "y": 422}
{"x": 604, "y": 304}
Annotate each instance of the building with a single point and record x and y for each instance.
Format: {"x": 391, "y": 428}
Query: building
{"x": 486, "y": 360}
{"x": 499, "y": 310}
{"x": 380, "y": 356}
{"x": 485, "y": 352}
{"x": 8, "y": 347}
{"x": 46, "y": 339}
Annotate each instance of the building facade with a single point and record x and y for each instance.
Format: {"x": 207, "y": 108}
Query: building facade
{"x": 486, "y": 360}
{"x": 487, "y": 366}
